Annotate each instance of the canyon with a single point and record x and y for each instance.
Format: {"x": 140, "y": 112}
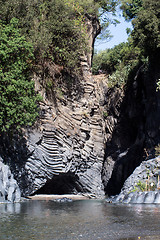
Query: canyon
{"x": 89, "y": 138}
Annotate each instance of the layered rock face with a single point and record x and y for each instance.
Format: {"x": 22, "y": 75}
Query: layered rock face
{"x": 9, "y": 190}
{"x": 88, "y": 138}
{"x": 66, "y": 151}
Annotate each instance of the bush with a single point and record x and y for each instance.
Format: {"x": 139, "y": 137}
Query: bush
{"x": 119, "y": 77}
{"x": 18, "y": 101}
{"x": 118, "y": 62}
{"x": 112, "y": 59}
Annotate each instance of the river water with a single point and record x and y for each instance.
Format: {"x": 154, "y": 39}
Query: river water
{"x": 85, "y": 219}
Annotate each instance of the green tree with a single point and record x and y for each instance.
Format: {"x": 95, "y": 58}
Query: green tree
{"x": 18, "y": 101}
{"x": 57, "y": 28}
{"x": 146, "y": 23}
{"x": 116, "y": 58}
{"x": 146, "y": 33}
{"x": 131, "y": 8}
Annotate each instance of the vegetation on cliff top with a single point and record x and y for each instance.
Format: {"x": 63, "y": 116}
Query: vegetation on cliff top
{"x": 56, "y": 28}
{"x": 55, "y": 31}
{"x": 143, "y": 45}
{"x": 18, "y": 101}
{"x": 31, "y": 33}
{"x": 145, "y": 15}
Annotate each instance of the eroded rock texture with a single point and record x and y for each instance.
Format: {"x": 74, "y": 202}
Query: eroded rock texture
{"x": 143, "y": 185}
{"x": 88, "y": 138}
{"x": 68, "y": 147}
{"x": 64, "y": 152}
{"x": 9, "y": 190}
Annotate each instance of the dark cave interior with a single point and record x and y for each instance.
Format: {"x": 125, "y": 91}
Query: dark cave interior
{"x": 66, "y": 183}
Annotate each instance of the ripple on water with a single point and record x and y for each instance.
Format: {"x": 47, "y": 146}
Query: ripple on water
{"x": 85, "y": 219}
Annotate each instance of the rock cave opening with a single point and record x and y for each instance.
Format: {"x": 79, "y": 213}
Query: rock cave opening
{"x": 66, "y": 183}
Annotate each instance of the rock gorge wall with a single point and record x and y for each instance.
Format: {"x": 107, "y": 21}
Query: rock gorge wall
{"x": 65, "y": 151}
{"x": 136, "y": 134}
{"x": 89, "y": 138}
{"x": 142, "y": 186}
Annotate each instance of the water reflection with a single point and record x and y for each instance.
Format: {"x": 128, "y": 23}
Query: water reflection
{"x": 10, "y": 208}
{"x": 90, "y": 219}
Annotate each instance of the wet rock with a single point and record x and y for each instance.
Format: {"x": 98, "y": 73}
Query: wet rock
{"x": 9, "y": 190}
{"x": 62, "y": 200}
{"x": 145, "y": 176}
{"x": 152, "y": 197}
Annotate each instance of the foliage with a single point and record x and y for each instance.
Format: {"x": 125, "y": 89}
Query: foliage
{"x": 145, "y": 15}
{"x": 18, "y": 101}
{"x": 131, "y": 8}
{"x": 146, "y": 33}
{"x": 115, "y": 58}
{"x": 56, "y": 28}
{"x": 48, "y": 31}
{"x": 146, "y": 23}
{"x": 105, "y": 114}
{"x": 119, "y": 77}
{"x": 158, "y": 85}
{"x": 157, "y": 150}
{"x": 118, "y": 62}
{"x": 141, "y": 186}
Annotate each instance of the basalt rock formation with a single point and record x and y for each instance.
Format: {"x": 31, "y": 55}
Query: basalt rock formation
{"x": 88, "y": 138}
{"x": 64, "y": 153}
{"x": 136, "y": 134}
{"x": 143, "y": 184}
{"x": 9, "y": 190}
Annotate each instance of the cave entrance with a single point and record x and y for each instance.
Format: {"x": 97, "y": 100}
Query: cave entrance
{"x": 66, "y": 183}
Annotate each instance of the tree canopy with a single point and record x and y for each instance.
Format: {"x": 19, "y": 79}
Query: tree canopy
{"x": 18, "y": 101}
{"x": 56, "y": 27}
{"x": 145, "y": 15}
{"x": 39, "y": 29}
{"x": 142, "y": 47}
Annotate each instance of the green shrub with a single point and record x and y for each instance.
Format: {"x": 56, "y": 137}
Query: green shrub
{"x": 157, "y": 150}
{"x": 119, "y": 77}
{"x": 141, "y": 186}
{"x": 18, "y": 101}
{"x": 57, "y": 28}
{"x": 105, "y": 114}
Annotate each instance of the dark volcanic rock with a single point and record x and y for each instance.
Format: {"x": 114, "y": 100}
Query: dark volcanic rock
{"x": 62, "y": 200}
{"x": 152, "y": 197}
{"x": 136, "y": 132}
{"x": 147, "y": 174}
{"x": 65, "y": 152}
{"x": 88, "y": 138}
{"x": 145, "y": 177}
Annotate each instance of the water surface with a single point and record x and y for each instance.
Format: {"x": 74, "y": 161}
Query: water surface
{"x": 85, "y": 219}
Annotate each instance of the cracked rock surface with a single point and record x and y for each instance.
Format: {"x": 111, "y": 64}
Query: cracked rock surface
{"x": 9, "y": 190}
